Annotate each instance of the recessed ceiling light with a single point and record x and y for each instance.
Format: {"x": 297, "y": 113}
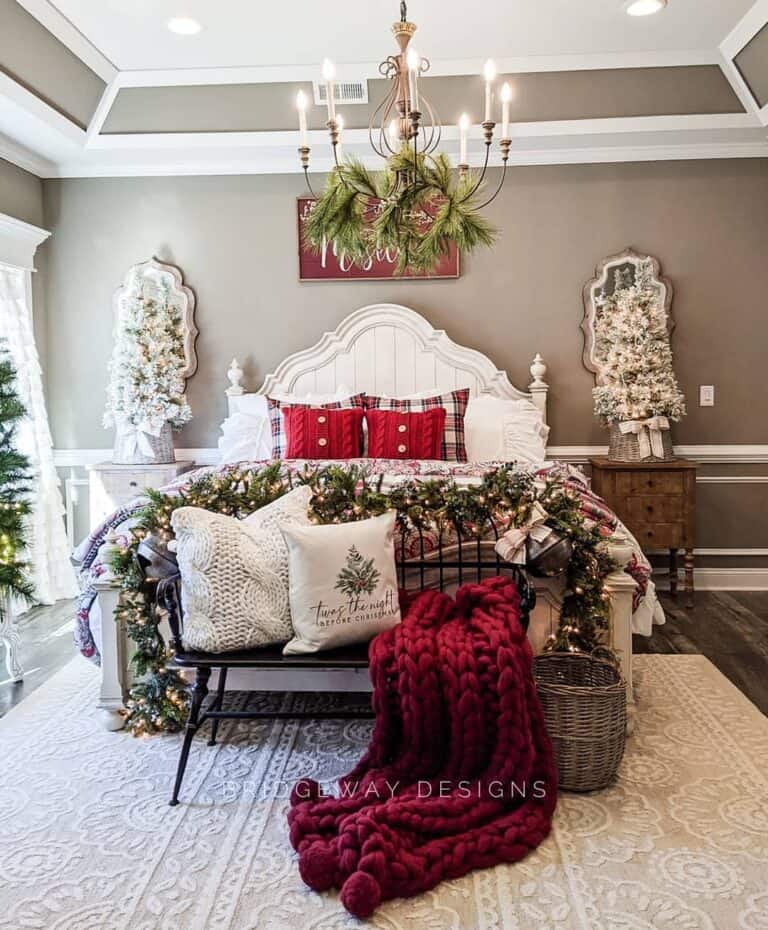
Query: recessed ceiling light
{"x": 183, "y": 26}
{"x": 644, "y": 7}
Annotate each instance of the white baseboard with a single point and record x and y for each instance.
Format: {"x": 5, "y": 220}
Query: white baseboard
{"x": 720, "y": 454}
{"x": 723, "y": 579}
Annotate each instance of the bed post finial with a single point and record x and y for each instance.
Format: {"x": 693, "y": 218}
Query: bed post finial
{"x": 539, "y": 387}
{"x": 235, "y": 375}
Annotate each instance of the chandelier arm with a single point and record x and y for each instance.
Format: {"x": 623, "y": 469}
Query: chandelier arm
{"x": 498, "y": 189}
{"x": 476, "y": 186}
{"x": 309, "y": 185}
{"x": 380, "y": 121}
{"x": 431, "y": 143}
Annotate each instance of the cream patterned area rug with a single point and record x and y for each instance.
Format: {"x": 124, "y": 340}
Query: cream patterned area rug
{"x": 88, "y": 842}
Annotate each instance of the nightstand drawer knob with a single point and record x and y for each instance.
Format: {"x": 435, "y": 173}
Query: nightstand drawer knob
{"x": 133, "y": 484}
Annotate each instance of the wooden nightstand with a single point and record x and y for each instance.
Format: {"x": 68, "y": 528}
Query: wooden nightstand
{"x": 657, "y": 502}
{"x": 111, "y": 486}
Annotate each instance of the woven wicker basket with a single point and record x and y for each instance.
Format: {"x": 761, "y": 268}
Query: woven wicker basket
{"x": 584, "y": 699}
{"x": 127, "y": 453}
{"x": 625, "y": 447}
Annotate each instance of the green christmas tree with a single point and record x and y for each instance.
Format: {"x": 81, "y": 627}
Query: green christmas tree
{"x": 14, "y": 491}
{"x": 359, "y": 575}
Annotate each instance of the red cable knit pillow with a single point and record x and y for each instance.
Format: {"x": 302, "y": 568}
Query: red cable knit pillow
{"x": 394, "y": 434}
{"x": 454, "y": 404}
{"x": 322, "y": 433}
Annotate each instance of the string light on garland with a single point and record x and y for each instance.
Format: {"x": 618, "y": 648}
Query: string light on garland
{"x": 347, "y": 494}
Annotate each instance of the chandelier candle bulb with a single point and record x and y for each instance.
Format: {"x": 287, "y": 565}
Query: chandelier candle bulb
{"x": 463, "y": 134}
{"x": 301, "y": 105}
{"x": 339, "y": 127}
{"x": 414, "y": 64}
{"x": 394, "y": 135}
{"x": 489, "y": 73}
{"x": 506, "y": 96}
{"x": 329, "y": 73}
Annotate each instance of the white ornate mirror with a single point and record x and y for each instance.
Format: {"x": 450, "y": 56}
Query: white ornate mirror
{"x": 612, "y": 273}
{"x": 152, "y": 278}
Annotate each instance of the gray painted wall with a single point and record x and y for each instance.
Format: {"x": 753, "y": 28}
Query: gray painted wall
{"x": 235, "y": 239}
{"x": 21, "y": 194}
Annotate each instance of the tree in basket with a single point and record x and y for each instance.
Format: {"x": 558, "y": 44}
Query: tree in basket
{"x": 14, "y": 509}
{"x": 145, "y": 397}
{"x": 639, "y": 394}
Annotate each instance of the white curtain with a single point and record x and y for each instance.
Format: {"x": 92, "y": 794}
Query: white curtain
{"x": 51, "y": 571}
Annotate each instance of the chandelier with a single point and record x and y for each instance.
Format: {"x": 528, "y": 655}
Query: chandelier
{"x": 418, "y": 204}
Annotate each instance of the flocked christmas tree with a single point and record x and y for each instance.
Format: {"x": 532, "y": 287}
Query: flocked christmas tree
{"x": 632, "y": 341}
{"x": 146, "y": 387}
{"x": 14, "y": 492}
{"x": 359, "y": 575}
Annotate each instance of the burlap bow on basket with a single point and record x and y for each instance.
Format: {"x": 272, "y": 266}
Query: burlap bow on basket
{"x": 511, "y": 546}
{"x": 648, "y": 434}
{"x": 137, "y": 439}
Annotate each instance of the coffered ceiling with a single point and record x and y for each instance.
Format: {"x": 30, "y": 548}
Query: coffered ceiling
{"x": 94, "y": 89}
{"x": 133, "y": 33}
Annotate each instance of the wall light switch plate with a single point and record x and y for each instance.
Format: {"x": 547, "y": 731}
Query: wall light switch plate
{"x": 706, "y": 395}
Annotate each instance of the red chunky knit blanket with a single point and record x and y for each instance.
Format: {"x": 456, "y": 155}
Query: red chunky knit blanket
{"x": 459, "y": 772}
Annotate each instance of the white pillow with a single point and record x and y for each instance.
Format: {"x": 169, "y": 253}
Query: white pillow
{"x": 246, "y": 437}
{"x": 500, "y": 429}
{"x": 343, "y": 583}
{"x": 234, "y": 574}
{"x": 254, "y": 407}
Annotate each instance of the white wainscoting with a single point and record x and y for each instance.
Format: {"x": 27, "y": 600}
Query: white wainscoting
{"x": 577, "y": 455}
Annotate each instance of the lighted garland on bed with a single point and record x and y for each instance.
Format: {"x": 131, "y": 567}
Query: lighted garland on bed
{"x": 343, "y": 494}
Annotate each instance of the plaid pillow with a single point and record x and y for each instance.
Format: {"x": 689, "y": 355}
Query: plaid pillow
{"x": 455, "y": 405}
{"x": 279, "y": 438}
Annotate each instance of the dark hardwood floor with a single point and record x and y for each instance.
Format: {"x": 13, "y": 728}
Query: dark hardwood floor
{"x": 729, "y": 627}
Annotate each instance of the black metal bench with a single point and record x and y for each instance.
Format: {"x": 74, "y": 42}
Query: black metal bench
{"x": 353, "y": 657}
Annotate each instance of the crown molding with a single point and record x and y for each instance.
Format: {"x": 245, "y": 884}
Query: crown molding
{"x": 747, "y": 27}
{"x": 70, "y": 36}
{"x": 22, "y": 157}
{"x": 19, "y": 242}
{"x": 34, "y": 106}
{"x": 745, "y": 30}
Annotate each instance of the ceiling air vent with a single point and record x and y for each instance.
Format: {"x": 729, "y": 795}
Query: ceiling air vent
{"x": 343, "y": 92}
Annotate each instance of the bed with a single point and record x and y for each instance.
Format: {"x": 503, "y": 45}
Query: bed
{"x": 382, "y": 349}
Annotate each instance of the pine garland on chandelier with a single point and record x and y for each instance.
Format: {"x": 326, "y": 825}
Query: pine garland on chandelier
{"x": 418, "y": 206}
{"x": 346, "y": 494}
{"x": 361, "y": 212}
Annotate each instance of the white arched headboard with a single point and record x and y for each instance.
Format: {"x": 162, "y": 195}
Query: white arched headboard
{"x": 390, "y": 349}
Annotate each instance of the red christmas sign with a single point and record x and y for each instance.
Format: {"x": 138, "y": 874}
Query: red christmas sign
{"x": 327, "y": 265}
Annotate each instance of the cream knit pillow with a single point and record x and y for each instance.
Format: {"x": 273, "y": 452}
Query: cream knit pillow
{"x": 343, "y": 583}
{"x": 234, "y": 574}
